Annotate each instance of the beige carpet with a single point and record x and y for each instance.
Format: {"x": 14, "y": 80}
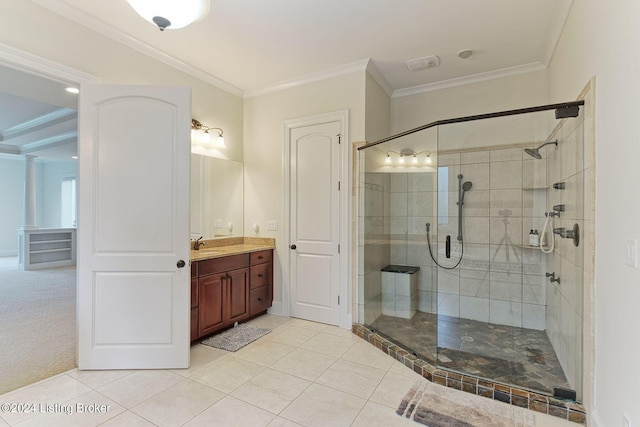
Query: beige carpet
{"x": 37, "y": 324}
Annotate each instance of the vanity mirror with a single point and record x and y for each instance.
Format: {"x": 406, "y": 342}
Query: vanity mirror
{"x": 216, "y": 197}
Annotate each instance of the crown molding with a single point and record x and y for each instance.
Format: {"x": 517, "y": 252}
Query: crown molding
{"x": 475, "y": 78}
{"x": 50, "y": 142}
{"x": 311, "y": 78}
{"x": 108, "y": 31}
{"x": 57, "y": 116}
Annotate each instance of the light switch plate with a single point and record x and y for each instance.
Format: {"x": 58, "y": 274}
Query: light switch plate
{"x": 631, "y": 253}
{"x": 272, "y": 225}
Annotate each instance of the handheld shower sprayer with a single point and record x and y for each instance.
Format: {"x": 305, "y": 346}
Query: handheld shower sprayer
{"x": 462, "y": 189}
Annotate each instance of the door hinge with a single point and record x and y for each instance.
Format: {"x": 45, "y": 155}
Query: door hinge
{"x": 338, "y": 185}
{"x": 339, "y": 138}
{"x": 338, "y": 248}
{"x": 338, "y": 299}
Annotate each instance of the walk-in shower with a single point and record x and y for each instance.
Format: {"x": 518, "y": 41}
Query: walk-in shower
{"x": 480, "y": 305}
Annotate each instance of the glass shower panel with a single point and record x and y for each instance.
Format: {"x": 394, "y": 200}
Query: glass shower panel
{"x": 493, "y": 291}
{"x": 399, "y": 199}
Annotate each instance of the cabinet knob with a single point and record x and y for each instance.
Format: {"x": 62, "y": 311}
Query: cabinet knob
{"x": 259, "y": 299}
{"x": 260, "y": 275}
{"x": 294, "y": 247}
{"x": 181, "y": 263}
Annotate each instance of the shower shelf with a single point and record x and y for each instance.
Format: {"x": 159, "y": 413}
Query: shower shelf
{"x": 529, "y": 247}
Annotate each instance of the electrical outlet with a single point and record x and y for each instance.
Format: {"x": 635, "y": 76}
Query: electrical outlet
{"x": 626, "y": 422}
{"x": 631, "y": 253}
{"x": 272, "y": 225}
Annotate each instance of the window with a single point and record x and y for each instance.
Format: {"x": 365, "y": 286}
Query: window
{"x": 68, "y": 202}
{"x": 443, "y": 195}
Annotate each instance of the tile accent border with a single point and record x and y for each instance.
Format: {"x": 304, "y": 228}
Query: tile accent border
{"x": 566, "y": 410}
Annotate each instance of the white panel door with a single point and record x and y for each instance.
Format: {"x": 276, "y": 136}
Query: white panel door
{"x": 315, "y": 222}
{"x": 133, "y": 294}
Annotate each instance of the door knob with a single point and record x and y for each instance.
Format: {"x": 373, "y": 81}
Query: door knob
{"x": 293, "y": 246}
{"x": 181, "y": 263}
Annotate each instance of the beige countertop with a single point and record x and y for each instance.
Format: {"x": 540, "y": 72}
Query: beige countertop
{"x": 217, "y": 248}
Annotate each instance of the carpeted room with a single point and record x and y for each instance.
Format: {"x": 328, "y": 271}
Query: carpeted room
{"x": 37, "y": 323}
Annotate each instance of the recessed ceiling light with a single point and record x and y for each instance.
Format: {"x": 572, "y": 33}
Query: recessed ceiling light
{"x": 465, "y": 53}
{"x": 423, "y": 63}
{"x": 73, "y": 90}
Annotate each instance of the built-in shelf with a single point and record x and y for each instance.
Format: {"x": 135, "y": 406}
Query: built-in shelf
{"x": 530, "y": 247}
{"x": 47, "y": 248}
{"x": 534, "y": 188}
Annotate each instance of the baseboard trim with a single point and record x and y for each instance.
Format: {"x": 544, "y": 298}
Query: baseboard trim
{"x": 276, "y": 308}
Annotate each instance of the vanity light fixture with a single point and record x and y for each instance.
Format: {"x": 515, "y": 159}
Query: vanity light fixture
{"x": 408, "y": 153}
{"x": 171, "y": 14}
{"x": 205, "y": 137}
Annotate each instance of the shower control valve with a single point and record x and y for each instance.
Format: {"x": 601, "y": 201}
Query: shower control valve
{"x": 552, "y": 277}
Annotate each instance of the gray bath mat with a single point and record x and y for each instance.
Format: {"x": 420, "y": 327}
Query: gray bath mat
{"x": 235, "y": 338}
{"x": 435, "y": 406}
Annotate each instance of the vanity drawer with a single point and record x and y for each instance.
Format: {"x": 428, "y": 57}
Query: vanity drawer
{"x": 260, "y": 275}
{"x": 259, "y": 299}
{"x": 218, "y": 265}
{"x": 260, "y": 257}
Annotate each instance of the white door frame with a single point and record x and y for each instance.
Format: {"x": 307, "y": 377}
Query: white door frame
{"x": 345, "y": 210}
{"x": 30, "y": 63}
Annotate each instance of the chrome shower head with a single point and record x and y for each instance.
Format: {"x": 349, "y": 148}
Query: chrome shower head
{"x": 535, "y": 152}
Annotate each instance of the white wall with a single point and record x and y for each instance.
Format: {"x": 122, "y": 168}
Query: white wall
{"x": 518, "y": 91}
{"x": 378, "y": 111}
{"x": 263, "y": 147}
{"x": 11, "y": 203}
{"x": 602, "y": 39}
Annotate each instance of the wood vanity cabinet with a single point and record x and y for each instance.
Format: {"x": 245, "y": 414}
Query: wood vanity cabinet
{"x": 230, "y": 289}
{"x": 261, "y": 282}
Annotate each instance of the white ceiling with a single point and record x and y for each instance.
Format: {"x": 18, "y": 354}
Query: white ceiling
{"x": 249, "y": 47}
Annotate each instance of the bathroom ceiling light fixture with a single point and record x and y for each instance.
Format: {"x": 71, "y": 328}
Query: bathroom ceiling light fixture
{"x": 407, "y": 155}
{"x": 205, "y": 136}
{"x": 172, "y": 14}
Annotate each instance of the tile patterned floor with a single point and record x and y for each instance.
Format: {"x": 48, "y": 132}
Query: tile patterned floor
{"x": 301, "y": 374}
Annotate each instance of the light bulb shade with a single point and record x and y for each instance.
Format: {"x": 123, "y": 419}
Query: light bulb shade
{"x": 401, "y": 160}
{"x": 428, "y": 160}
{"x": 179, "y": 13}
{"x": 205, "y": 138}
{"x": 220, "y": 142}
{"x": 387, "y": 160}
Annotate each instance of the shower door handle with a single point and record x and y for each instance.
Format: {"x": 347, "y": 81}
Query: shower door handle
{"x": 447, "y": 247}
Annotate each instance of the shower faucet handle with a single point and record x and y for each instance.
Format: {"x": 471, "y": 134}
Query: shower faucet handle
{"x": 552, "y": 277}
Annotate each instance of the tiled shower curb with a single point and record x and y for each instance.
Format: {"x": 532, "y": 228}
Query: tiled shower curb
{"x": 525, "y": 399}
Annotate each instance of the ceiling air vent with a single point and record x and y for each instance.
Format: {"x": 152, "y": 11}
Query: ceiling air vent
{"x": 423, "y": 63}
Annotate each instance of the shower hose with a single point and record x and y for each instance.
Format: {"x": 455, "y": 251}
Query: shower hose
{"x": 433, "y": 258}
{"x": 552, "y": 245}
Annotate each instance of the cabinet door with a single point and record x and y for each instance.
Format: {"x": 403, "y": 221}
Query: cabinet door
{"x": 238, "y": 294}
{"x": 210, "y": 305}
